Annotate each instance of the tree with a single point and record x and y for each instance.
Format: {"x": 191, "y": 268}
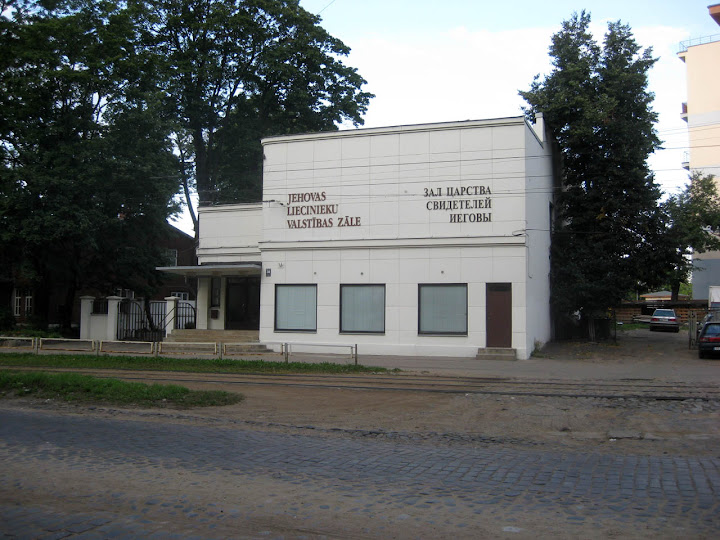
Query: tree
{"x": 98, "y": 100}
{"x": 597, "y": 106}
{"x": 235, "y": 72}
{"x": 85, "y": 166}
{"x": 693, "y": 226}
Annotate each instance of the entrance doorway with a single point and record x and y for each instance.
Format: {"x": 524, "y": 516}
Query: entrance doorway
{"x": 498, "y": 318}
{"x": 243, "y": 303}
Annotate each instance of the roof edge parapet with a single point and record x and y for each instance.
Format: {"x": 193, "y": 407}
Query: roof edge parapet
{"x": 408, "y": 128}
{"x": 694, "y": 42}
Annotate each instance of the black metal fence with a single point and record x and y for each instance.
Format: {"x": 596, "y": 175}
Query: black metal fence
{"x": 141, "y": 321}
{"x": 100, "y": 306}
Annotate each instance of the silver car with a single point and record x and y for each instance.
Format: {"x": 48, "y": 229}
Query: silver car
{"x": 664, "y": 319}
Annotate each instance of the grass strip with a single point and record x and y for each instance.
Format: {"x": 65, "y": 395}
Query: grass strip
{"x": 626, "y": 327}
{"x": 195, "y": 365}
{"x": 73, "y": 387}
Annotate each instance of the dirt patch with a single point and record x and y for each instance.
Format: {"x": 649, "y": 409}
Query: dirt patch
{"x": 642, "y": 426}
{"x": 587, "y": 424}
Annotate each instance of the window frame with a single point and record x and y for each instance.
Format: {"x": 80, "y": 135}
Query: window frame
{"x": 422, "y": 332}
{"x": 276, "y": 328}
{"x": 18, "y": 303}
{"x": 384, "y": 308}
{"x": 172, "y": 257}
{"x": 215, "y": 291}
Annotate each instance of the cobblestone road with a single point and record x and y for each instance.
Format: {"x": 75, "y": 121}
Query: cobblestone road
{"x": 66, "y": 476}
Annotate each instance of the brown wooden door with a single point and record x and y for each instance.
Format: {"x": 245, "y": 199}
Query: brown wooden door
{"x": 499, "y": 315}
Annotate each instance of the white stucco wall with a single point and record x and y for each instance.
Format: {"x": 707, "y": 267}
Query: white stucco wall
{"x": 230, "y": 233}
{"x": 539, "y": 194}
{"x": 377, "y": 191}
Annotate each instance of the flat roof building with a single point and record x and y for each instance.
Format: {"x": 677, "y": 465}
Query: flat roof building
{"x": 428, "y": 240}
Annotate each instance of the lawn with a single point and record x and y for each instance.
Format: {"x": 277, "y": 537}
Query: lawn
{"x": 151, "y": 363}
{"x": 77, "y": 388}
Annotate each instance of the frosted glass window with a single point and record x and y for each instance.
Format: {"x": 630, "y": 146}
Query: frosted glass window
{"x": 362, "y": 308}
{"x": 215, "y": 288}
{"x": 296, "y": 308}
{"x": 443, "y": 309}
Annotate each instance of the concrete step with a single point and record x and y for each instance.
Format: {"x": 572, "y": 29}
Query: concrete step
{"x": 494, "y": 353}
{"x": 213, "y": 336}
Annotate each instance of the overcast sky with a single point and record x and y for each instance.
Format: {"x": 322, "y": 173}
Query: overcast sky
{"x": 445, "y": 60}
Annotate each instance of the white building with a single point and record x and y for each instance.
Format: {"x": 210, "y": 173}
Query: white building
{"x": 414, "y": 240}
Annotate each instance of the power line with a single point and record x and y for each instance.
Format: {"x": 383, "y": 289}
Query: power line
{"x": 323, "y": 9}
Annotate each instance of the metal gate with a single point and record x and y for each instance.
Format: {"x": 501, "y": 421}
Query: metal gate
{"x": 140, "y": 322}
{"x": 184, "y": 316}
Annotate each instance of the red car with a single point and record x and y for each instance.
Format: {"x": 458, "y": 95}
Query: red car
{"x": 709, "y": 340}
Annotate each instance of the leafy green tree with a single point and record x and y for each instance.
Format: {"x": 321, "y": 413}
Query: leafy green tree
{"x": 693, "y": 226}
{"x": 99, "y": 99}
{"x": 238, "y": 71}
{"x": 598, "y": 108}
{"x": 86, "y": 170}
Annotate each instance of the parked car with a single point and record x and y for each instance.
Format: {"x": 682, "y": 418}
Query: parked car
{"x": 701, "y": 324}
{"x": 709, "y": 339}
{"x": 664, "y": 319}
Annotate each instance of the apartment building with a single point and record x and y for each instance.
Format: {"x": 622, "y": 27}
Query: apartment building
{"x": 702, "y": 114}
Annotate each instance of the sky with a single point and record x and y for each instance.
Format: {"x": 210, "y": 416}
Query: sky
{"x": 447, "y": 60}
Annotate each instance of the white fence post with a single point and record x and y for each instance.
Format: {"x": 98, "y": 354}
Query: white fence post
{"x": 202, "y": 303}
{"x": 86, "y": 306}
{"x": 112, "y": 318}
{"x": 170, "y": 314}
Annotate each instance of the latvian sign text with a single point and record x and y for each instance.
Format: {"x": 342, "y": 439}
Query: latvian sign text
{"x": 311, "y": 211}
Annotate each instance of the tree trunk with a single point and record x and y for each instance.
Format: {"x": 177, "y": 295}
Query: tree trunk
{"x": 67, "y": 310}
{"x": 186, "y": 188}
{"x": 41, "y": 307}
{"x": 205, "y": 190}
{"x": 675, "y": 291}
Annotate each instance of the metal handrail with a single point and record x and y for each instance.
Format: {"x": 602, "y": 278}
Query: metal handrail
{"x": 105, "y": 346}
{"x": 703, "y": 40}
{"x": 287, "y": 348}
{"x": 161, "y": 345}
{"x": 90, "y": 342}
{"x": 32, "y": 346}
{"x": 171, "y": 319}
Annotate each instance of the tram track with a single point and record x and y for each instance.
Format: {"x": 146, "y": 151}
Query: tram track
{"x": 641, "y": 389}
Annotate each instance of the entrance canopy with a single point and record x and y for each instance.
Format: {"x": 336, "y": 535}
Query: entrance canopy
{"x": 215, "y": 270}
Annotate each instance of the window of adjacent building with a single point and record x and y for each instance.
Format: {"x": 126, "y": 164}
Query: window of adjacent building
{"x": 362, "y": 309}
{"x": 23, "y": 303}
{"x": 215, "y": 292}
{"x": 17, "y": 311}
{"x": 181, "y": 295}
{"x": 125, "y": 293}
{"x": 296, "y": 308}
{"x": 171, "y": 256}
{"x": 442, "y": 309}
